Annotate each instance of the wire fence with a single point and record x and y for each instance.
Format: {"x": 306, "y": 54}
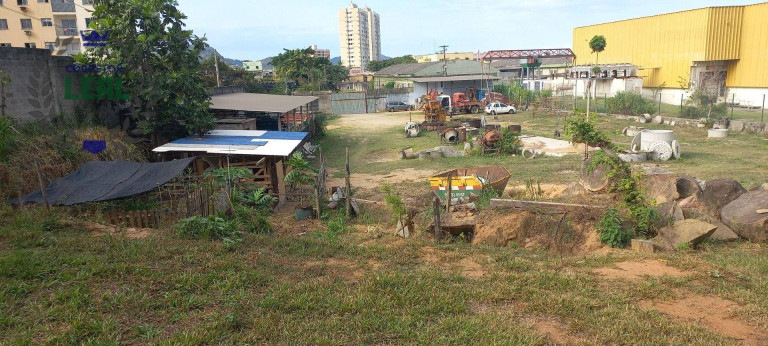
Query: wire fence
{"x": 656, "y": 104}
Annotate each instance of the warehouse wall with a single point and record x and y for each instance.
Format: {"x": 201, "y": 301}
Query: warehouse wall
{"x": 751, "y": 70}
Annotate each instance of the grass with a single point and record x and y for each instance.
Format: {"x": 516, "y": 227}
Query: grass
{"x": 71, "y": 287}
{"x": 352, "y": 285}
{"x": 740, "y": 156}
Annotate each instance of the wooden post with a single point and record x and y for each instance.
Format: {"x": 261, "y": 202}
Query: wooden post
{"x": 280, "y": 181}
{"x": 42, "y": 185}
{"x": 448, "y": 194}
{"x": 436, "y": 217}
{"x": 348, "y": 199}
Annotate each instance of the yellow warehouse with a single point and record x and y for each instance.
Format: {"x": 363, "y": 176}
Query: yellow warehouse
{"x": 724, "y": 49}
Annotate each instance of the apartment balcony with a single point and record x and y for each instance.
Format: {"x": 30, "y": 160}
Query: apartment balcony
{"x": 64, "y": 32}
{"x": 63, "y": 6}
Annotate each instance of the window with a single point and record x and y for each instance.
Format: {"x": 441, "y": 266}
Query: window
{"x": 5, "y": 44}
{"x": 46, "y": 21}
{"x": 45, "y": 1}
{"x": 26, "y": 24}
{"x": 3, "y": 24}
{"x": 87, "y": 2}
{"x": 87, "y": 22}
{"x": 21, "y": 2}
{"x": 30, "y": 45}
{"x": 50, "y": 45}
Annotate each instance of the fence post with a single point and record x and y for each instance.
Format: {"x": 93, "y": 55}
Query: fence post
{"x": 762, "y": 114}
{"x": 681, "y": 105}
{"x": 659, "y": 103}
{"x": 733, "y": 99}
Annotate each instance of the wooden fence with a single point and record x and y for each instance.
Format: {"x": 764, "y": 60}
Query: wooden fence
{"x": 184, "y": 196}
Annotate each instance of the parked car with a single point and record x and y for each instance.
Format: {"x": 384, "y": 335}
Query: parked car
{"x": 398, "y": 106}
{"x": 498, "y": 107}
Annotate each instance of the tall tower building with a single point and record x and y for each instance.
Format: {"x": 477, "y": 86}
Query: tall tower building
{"x": 359, "y": 36}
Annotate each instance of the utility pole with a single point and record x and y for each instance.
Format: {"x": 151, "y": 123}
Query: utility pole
{"x": 216, "y": 63}
{"x": 445, "y": 66}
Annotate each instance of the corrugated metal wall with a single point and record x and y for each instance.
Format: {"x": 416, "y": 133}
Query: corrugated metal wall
{"x": 752, "y": 68}
{"x": 354, "y": 103}
{"x": 668, "y": 44}
{"x": 724, "y": 33}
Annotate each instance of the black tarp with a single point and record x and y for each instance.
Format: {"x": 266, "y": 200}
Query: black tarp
{"x": 105, "y": 180}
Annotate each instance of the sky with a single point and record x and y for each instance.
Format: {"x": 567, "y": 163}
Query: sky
{"x": 256, "y": 29}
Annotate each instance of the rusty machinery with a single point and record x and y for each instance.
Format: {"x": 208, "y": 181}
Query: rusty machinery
{"x": 433, "y": 109}
{"x": 490, "y": 141}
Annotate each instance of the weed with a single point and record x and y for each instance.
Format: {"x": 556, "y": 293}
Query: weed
{"x": 210, "y": 228}
{"x": 611, "y": 231}
{"x": 684, "y": 247}
{"x": 395, "y": 204}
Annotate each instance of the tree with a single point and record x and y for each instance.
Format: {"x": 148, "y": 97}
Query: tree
{"x": 378, "y": 65}
{"x": 309, "y": 72}
{"x": 230, "y": 75}
{"x": 597, "y": 44}
{"x": 161, "y": 68}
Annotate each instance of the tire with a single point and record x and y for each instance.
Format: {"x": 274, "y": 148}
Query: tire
{"x": 391, "y": 109}
{"x": 474, "y": 110}
{"x": 493, "y": 113}
{"x": 512, "y": 111}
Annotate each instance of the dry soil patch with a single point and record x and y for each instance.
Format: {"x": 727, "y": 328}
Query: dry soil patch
{"x": 713, "y": 312}
{"x": 555, "y": 330}
{"x": 98, "y": 229}
{"x": 373, "y": 181}
{"x": 339, "y": 267}
{"x": 633, "y": 270}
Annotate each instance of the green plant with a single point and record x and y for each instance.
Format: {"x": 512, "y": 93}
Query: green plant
{"x": 395, "y": 204}
{"x": 486, "y": 194}
{"x": 210, "y": 228}
{"x": 583, "y": 130}
{"x": 684, "y": 246}
{"x": 597, "y": 44}
{"x": 7, "y": 139}
{"x": 302, "y": 173}
{"x": 509, "y": 143}
{"x": 533, "y": 189}
{"x": 261, "y": 200}
{"x": 389, "y": 85}
{"x": 629, "y": 103}
{"x": 611, "y": 231}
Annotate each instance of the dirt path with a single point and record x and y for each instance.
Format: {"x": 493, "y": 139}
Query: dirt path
{"x": 376, "y": 120}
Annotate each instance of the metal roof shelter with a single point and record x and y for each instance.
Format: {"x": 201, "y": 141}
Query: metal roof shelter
{"x": 260, "y": 102}
{"x": 239, "y": 142}
{"x": 262, "y": 152}
{"x": 452, "y": 78}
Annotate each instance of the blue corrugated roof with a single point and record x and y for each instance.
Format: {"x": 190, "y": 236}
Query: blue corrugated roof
{"x": 221, "y": 140}
{"x": 296, "y": 136}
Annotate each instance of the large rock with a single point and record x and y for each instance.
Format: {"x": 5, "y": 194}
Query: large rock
{"x": 687, "y": 186}
{"x": 717, "y": 194}
{"x": 669, "y": 212}
{"x": 722, "y": 232}
{"x": 691, "y": 232}
{"x": 662, "y": 185}
{"x": 742, "y": 217}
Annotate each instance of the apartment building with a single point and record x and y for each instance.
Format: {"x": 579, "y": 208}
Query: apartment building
{"x": 45, "y": 24}
{"x": 359, "y": 36}
{"x": 321, "y": 53}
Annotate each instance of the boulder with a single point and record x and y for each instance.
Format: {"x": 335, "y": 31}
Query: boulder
{"x": 722, "y": 232}
{"x": 658, "y": 119}
{"x": 596, "y": 180}
{"x": 687, "y": 186}
{"x": 736, "y": 125}
{"x": 742, "y": 216}
{"x": 662, "y": 186}
{"x": 669, "y": 212}
{"x": 642, "y": 245}
{"x": 717, "y": 194}
{"x": 691, "y": 232}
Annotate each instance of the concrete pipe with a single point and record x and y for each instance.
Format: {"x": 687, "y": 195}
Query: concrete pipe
{"x": 408, "y": 153}
{"x": 633, "y": 156}
{"x": 633, "y": 130}
{"x": 437, "y": 154}
{"x": 423, "y": 155}
{"x": 717, "y": 133}
{"x": 451, "y": 135}
{"x": 650, "y": 137}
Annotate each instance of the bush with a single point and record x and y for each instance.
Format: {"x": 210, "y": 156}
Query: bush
{"x": 7, "y": 139}
{"x": 210, "y": 228}
{"x": 583, "y": 130}
{"x": 510, "y": 144}
{"x": 611, "y": 231}
{"x": 389, "y": 85}
{"x": 629, "y": 103}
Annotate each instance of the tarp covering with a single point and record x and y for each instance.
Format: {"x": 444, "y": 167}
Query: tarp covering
{"x": 105, "y": 180}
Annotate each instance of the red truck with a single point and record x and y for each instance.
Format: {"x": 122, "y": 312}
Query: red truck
{"x": 466, "y": 102}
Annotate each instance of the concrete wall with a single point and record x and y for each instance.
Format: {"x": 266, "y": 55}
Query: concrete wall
{"x": 36, "y": 90}
{"x": 323, "y": 99}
